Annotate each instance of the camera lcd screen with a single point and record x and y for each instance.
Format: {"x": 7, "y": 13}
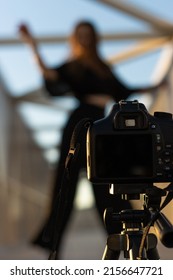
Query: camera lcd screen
{"x": 124, "y": 156}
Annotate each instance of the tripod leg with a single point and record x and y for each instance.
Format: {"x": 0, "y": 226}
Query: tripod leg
{"x": 113, "y": 247}
{"x": 110, "y": 254}
{"x": 134, "y": 244}
{"x": 153, "y": 254}
{"x": 151, "y": 247}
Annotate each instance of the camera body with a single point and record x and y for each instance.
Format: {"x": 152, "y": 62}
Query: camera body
{"x": 130, "y": 146}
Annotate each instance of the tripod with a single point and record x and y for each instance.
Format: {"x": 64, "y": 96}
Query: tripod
{"x": 130, "y": 238}
{"x": 135, "y": 241}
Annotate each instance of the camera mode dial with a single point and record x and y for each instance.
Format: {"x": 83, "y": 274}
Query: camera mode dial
{"x": 163, "y": 115}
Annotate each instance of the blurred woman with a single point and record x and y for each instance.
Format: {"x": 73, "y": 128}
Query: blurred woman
{"x": 90, "y": 79}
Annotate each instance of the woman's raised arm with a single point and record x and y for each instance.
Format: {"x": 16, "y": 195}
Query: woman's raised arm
{"x": 29, "y": 39}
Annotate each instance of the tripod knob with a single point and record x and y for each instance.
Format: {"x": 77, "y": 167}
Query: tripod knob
{"x": 164, "y": 230}
{"x": 107, "y": 216}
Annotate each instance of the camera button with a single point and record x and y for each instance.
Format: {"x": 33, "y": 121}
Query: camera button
{"x": 168, "y": 146}
{"x": 167, "y": 160}
{"x": 158, "y": 148}
{"x": 167, "y": 168}
{"x": 158, "y": 138}
{"x": 159, "y": 174}
{"x": 153, "y": 126}
{"x": 167, "y": 153}
{"x": 160, "y": 161}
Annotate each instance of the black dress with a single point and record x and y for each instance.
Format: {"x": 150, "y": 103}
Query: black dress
{"x": 81, "y": 80}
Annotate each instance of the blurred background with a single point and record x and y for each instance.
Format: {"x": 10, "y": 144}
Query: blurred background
{"x": 137, "y": 38}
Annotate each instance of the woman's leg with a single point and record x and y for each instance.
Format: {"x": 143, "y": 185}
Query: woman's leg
{"x": 45, "y": 233}
{"x": 83, "y": 111}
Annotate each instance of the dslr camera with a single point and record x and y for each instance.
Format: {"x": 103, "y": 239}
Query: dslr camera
{"x": 130, "y": 146}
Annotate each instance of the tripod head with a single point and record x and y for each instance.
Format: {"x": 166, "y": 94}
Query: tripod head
{"x": 138, "y": 222}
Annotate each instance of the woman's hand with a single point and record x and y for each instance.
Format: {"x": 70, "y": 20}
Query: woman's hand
{"x": 164, "y": 82}
{"x": 26, "y": 35}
